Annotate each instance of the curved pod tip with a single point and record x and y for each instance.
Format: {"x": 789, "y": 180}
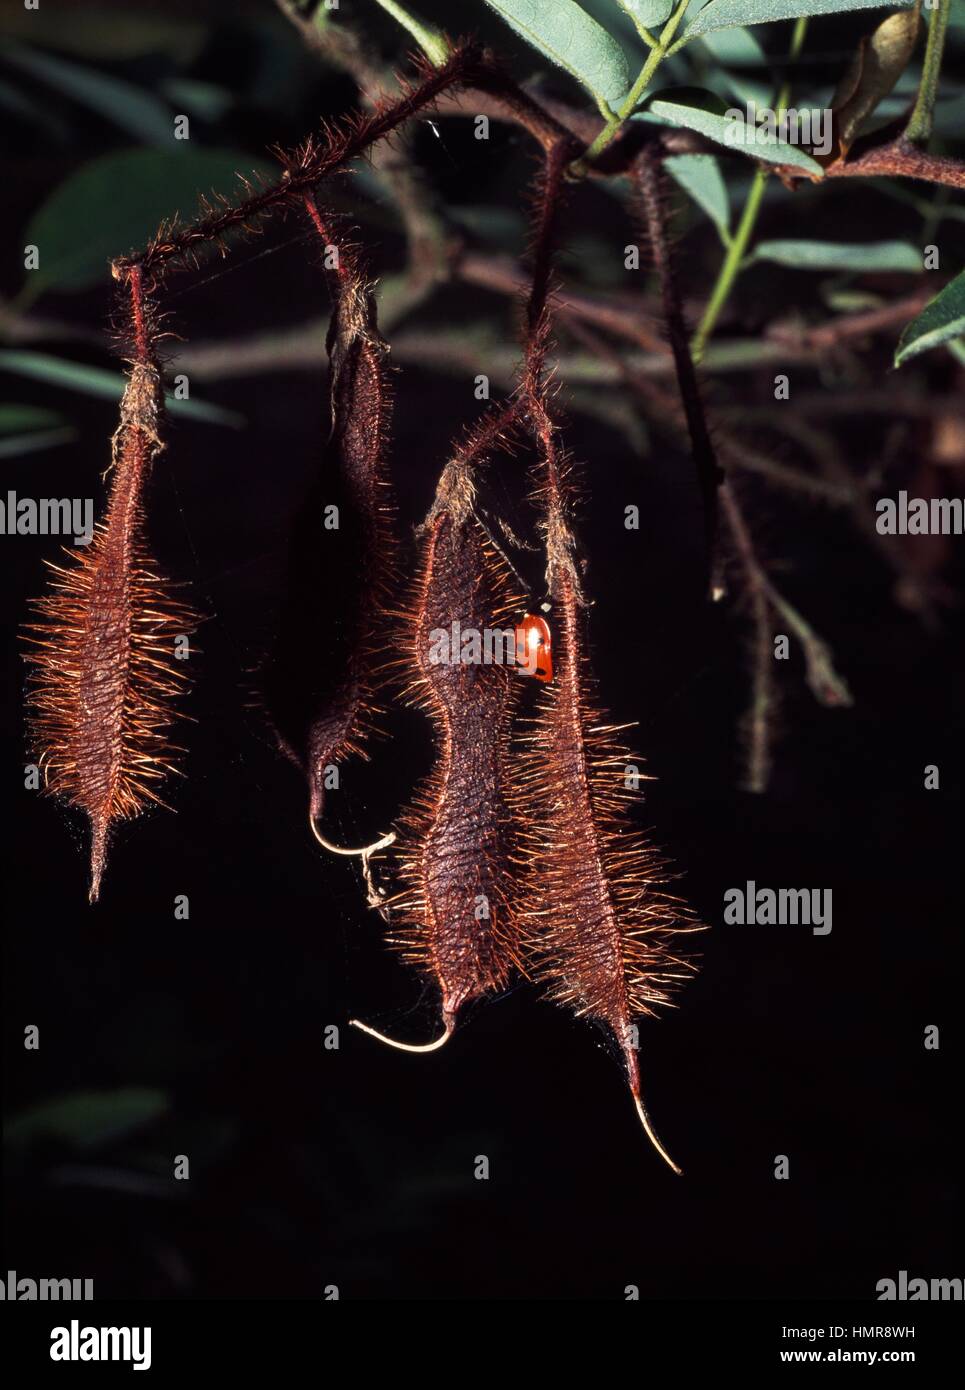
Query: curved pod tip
{"x": 652, "y": 1135}
{"x": 406, "y": 1047}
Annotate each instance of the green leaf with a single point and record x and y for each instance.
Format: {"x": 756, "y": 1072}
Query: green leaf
{"x": 87, "y": 1119}
{"x": 831, "y": 255}
{"x": 206, "y": 100}
{"x": 431, "y": 41}
{"x": 137, "y": 113}
{"x": 101, "y": 38}
{"x": 696, "y": 109}
{"x": 37, "y": 114}
{"x": 25, "y": 429}
{"x": 113, "y": 205}
{"x": 97, "y": 381}
{"x": 700, "y": 176}
{"x": 941, "y": 320}
{"x": 649, "y": 13}
{"x": 18, "y": 419}
{"x": 736, "y": 45}
{"x": 497, "y": 226}
{"x": 747, "y": 90}
{"x": 727, "y": 14}
{"x": 14, "y": 446}
{"x": 567, "y": 35}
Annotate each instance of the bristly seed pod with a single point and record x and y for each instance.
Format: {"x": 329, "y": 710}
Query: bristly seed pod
{"x": 597, "y": 923}
{"x": 598, "y": 926}
{"x": 325, "y": 709}
{"x": 103, "y": 671}
{"x": 458, "y": 916}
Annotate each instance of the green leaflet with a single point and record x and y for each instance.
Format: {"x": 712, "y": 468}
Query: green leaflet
{"x": 726, "y": 14}
{"x": 941, "y": 320}
{"x": 569, "y": 37}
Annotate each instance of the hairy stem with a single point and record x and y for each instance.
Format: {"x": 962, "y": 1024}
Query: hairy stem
{"x": 306, "y": 167}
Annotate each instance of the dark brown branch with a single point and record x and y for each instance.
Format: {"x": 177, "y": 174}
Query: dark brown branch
{"x": 473, "y": 101}
{"x": 428, "y": 251}
{"x": 646, "y": 177}
{"x": 758, "y": 724}
{"x": 517, "y": 104}
{"x": 305, "y": 167}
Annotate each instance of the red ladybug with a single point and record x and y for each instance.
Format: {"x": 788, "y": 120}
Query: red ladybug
{"x": 534, "y": 648}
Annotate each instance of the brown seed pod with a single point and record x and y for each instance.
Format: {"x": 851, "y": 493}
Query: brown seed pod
{"x": 103, "y": 670}
{"x": 324, "y": 704}
{"x": 597, "y": 923}
{"x": 457, "y": 917}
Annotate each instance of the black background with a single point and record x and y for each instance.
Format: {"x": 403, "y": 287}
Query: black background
{"x": 354, "y": 1167}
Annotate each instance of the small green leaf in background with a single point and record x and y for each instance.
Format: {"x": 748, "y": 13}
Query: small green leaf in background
{"x": 14, "y": 446}
{"x": 430, "y": 40}
{"x": 649, "y": 13}
{"x": 747, "y": 90}
{"x": 696, "y": 109}
{"x": 39, "y": 114}
{"x": 87, "y": 1119}
{"x": 499, "y": 227}
{"x": 700, "y": 176}
{"x": 941, "y": 320}
{"x": 24, "y": 429}
{"x": 98, "y": 35}
{"x": 107, "y": 385}
{"x": 737, "y": 45}
{"x": 207, "y": 100}
{"x": 137, "y": 113}
{"x": 113, "y": 205}
{"x": 569, "y": 37}
{"x": 830, "y": 255}
{"x": 21, "y": 419}
{"x": 725, "y": 14}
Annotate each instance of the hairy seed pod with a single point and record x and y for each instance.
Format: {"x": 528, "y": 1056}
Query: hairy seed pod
{"x": 598, "y": 927}
{"x": 102, "y": 655}
{"x": 323, "y": 693}
{"x": 457, "y": 917}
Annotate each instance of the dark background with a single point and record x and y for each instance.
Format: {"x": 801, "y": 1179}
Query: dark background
{"x": 354, "y": 1167}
